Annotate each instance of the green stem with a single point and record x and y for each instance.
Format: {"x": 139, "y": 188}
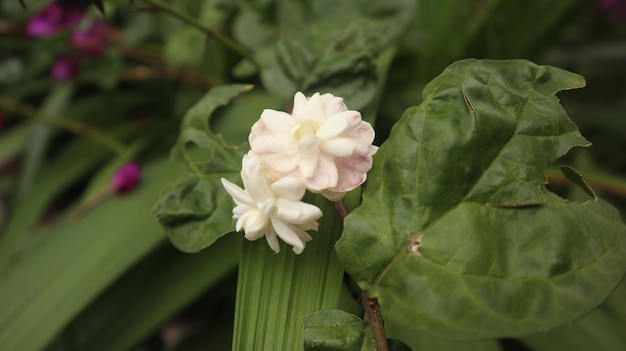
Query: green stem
{"x": 215, "y": 33}
{"x": 75, "y": 127}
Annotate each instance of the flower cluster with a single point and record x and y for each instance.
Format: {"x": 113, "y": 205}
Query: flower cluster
{"x": 88, "y": 41}
{"x": 54, "y": 18}
{"x": 321, "y": 146}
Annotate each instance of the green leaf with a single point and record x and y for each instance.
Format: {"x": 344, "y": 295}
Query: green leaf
{"x": 320, "y": 50}
{"x": 196, "y": 210}
{"x": 274, "y": 291}
{"x": 328, "y": 330}
{"x": 60, "y": 274}
{"x": 421, "y": 340}
{"x": 337, "y": 330}
{"x": 138, "y": 303}
{"x": 601, "y": 330}
{"x": 456, "y": 233}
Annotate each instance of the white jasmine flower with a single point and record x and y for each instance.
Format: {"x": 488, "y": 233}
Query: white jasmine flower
{"x": 272, "y": 209}
{"x": 321, "y": 142}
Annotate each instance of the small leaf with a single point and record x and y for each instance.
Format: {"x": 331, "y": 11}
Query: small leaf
{"x": 328, "y": 330}
{"x": 337, "y": 330}
{"x": 456, "y": 233}
{"x": 195, "y": 210}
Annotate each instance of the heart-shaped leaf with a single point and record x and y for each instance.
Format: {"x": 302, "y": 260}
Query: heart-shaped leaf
{"x": 456, "y": 233}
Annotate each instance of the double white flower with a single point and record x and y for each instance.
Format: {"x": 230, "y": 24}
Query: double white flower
{"x": 321, "y": 146}
{"x": 272, "y": 209}
{"x": 321, "y": 142}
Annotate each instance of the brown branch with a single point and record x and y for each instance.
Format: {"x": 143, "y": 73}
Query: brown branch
{"x": 374, "y": 321}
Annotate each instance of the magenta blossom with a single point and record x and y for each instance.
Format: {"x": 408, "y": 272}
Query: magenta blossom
{"x": 92, "y": 41}
{"x": 126, "y": 178}
{"x": 52, "y": 19}
{"x": 612, "y": 8}
{"x": 65, "y": 68}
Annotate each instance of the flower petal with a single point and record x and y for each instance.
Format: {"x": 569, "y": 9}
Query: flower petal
{"x": 254, "y": 178}
{"x": 313, "y": 109}
{"x": 239, "y": 195}
{"x": 325, "y": 175}
{"x": 282, "y": 164}
{"x": 333, "y": 104}
{"x": 297, "y": 212}
{"x": 337, "y": 124}
{"x": 309, "y": 163}
{"x": 256, "y": 224}
{"x": 276, "y": 121}
{"x": 288, "y": 188}
{"x": 272, "y": 241}
{"x": 339, "y": 147}
{"x": 285, "y": 232}
{"x": 299, "y": 102}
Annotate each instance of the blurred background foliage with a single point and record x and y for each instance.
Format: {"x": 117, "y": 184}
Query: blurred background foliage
{"x": 104, "y": 277}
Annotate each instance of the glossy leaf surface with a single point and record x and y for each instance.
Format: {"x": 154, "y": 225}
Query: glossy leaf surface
{"x": 456, "y": 233}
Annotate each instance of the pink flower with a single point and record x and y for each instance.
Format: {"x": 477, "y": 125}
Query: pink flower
{"x": 52, "y": 19}
{"x": 93, "y": 40}
{"x": 321, "y": 142}
{"x": 65, "y": 68}
{"x": 126, "y": 178}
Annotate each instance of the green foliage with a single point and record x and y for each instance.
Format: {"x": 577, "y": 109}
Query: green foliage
{"x": 82, "y": 260}
{"x": 456, "y": 233}
{"x": 466, "y": 242}
{"x": 195, "y": 211}
{"x": 336, "y": 330}
{"x": 321, "y": 50}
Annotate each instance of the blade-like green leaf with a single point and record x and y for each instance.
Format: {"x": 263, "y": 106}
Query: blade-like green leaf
{"x": 13, "y": 141}
{"x": 196, "y": 210}
{"x": 274, "y": 291}
{"x": 150, "y": 293}
{"x": 55, "y": 279}
{"x": 456, "y": 234}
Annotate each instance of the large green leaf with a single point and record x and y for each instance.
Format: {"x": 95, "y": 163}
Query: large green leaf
{"x": 601, "y": 330}
{"x": 195, "y": 210}
{"x": 456, "y": 233}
